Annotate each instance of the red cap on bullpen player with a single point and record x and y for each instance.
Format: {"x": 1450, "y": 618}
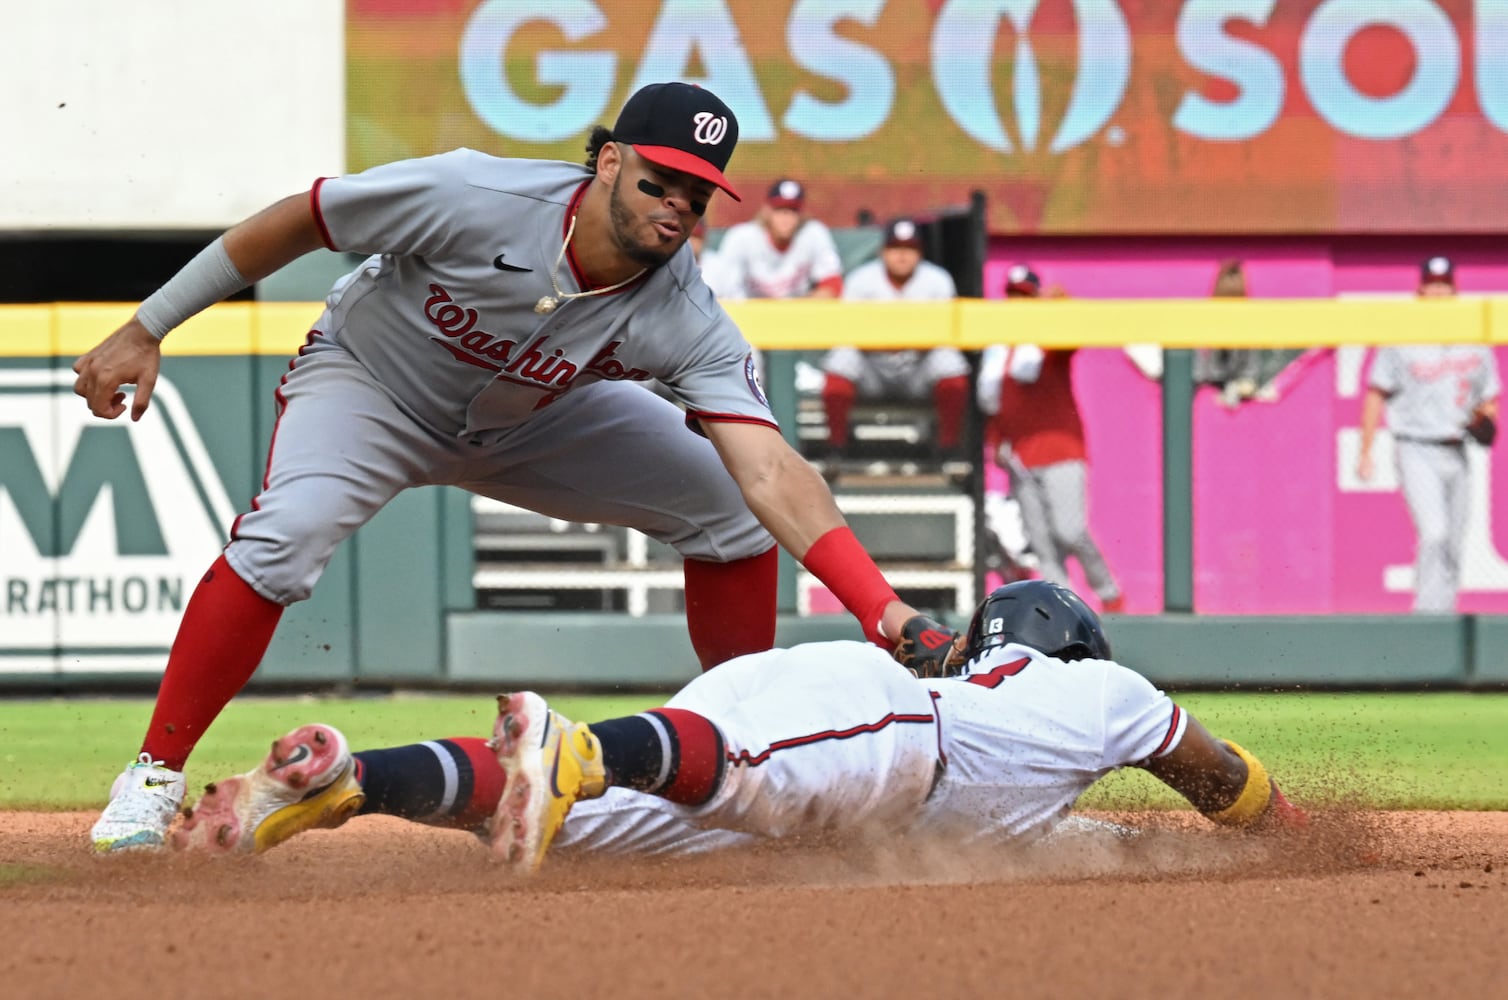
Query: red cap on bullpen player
{"x": 903, "y": 233}
{"x": 1022, "y": 282}
{"x": 683, "y": 127}
{"x": 786, "y": 193}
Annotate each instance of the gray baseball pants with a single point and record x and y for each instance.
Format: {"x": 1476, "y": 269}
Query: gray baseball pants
{"x": 1054, "y": 503}
{"x": 609, "y": 453}
{"x": 1436, "y": 481}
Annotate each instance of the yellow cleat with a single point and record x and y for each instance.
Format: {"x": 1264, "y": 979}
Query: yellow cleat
{"x": 307, "y": 782}
{"x": 551, "y": 764}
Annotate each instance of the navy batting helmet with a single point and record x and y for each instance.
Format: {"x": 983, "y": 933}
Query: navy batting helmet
{"x": 1039, "y": 614}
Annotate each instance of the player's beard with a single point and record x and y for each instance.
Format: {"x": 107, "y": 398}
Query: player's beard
{"x": 623, "y": 222}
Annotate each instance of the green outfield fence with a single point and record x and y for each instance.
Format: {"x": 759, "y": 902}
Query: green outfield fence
{"x": 90, "y": 589}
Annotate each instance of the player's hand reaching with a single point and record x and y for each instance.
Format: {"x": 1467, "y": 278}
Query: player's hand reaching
{"x": 929, "y": 648}
{"x": 129, "y": 356}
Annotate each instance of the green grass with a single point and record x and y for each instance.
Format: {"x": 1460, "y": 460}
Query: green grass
{"x": 1422, "y": 751}
{"x": 63, "y": 753}
{"x": 14, "y": 874}
{"x": 1391, "y": 751}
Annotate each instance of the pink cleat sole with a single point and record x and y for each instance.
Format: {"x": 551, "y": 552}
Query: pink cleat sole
{"x": 306, "y": 782}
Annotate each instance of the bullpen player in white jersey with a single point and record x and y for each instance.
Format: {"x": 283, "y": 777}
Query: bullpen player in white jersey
{"x": 491, "y": 342}
{"x": 782, "y": 253}
{"x": 941, "y": 374}
{"x": 826, "y": 737}
{"x": 1436, "y": 396}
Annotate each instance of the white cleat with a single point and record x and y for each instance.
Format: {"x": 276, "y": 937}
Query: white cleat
{"x": 143, "y": 802}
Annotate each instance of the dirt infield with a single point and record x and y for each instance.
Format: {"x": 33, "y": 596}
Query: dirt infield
{"x": 1365, "y": 905}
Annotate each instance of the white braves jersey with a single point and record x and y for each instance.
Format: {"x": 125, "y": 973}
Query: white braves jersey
{"x": 870, "y": 283}
{"x": 837, "y": 736}
{"x": 443, "y": 314}
{"x": 1025, "y": 734}
{"x": 759, "y": 270}
{"x": 1432, "y": 389}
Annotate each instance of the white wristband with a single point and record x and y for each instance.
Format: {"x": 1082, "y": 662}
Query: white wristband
{"x": 209, "y": 278}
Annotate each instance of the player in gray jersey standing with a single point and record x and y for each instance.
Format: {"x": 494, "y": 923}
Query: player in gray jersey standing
{"x": 1436, "y": 396}
{"x": 490, "y": 343}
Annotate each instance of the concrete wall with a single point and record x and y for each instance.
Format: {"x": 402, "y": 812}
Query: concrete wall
{"x": 170, "y": 114}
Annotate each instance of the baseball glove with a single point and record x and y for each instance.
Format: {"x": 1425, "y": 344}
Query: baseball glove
{"x": 1483, "y": 429}
{"x": 929, "y": 648}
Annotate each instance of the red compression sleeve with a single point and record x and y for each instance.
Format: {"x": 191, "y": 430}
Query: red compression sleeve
{"x": 840, "y": 562}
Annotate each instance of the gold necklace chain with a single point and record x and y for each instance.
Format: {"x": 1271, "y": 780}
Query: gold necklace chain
{"x": 549, "y": 303}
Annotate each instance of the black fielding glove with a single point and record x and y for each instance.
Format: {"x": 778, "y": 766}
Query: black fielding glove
{"x": 929, "y": 648}
{"x": 1483, "y": 430}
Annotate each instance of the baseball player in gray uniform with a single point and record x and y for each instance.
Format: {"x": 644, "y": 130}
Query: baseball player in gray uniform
{"x": 1435, "y": 396}
{"x": 820, "y": 738}
{"x": 941, "y": 374}
{"x": 492, "y": 342}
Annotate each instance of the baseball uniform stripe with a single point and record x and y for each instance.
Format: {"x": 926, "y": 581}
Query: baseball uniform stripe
{"x": 754, "y": 760}
{"x": 666, "y": 752}
{"x": 282, "y": 404}
{"x": 942, "y": 754}
{"x": 452, "y": 779}
{"x": 1175, "y": 731}
{"x": 319, "y": 217}
{"x": 728, "y": 418}
{"x": 698, "y": 767}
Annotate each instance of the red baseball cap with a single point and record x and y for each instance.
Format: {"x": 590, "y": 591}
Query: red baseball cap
{"x": 903, "y": 233}
{"x": 786, "y": 193}
{"x": 682, "y": 127}
{"x": 1438, "y": 269}
{"x": 1022, "y": 280}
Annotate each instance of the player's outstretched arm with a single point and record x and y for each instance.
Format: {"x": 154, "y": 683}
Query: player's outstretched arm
{"x": 1224, "y": 782}
{"x": 246, "y": 253}
{"x": 794, "y": 504}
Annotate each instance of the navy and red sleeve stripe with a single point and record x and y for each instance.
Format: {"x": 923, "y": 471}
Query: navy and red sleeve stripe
{"x": 1167, "y": 740}
{"x": 747, "y": 759}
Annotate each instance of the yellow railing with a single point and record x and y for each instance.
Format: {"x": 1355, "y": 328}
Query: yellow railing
{"x": 242, "y": 328}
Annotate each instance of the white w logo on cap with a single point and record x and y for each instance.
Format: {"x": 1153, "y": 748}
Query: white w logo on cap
{"x": 710, "y": 128}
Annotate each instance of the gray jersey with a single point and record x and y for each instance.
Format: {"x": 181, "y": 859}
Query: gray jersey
{"x": 870, "y": 283}
{"x": 1432, "y": 389}
{"x": 909, "y": 374}
{"x": 443, "y": 314}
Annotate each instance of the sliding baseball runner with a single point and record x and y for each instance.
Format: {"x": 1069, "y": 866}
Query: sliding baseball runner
{"x": 820, "y": 738}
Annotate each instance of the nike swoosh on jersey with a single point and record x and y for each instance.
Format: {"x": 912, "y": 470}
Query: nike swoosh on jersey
{"x": 498, "y": 263}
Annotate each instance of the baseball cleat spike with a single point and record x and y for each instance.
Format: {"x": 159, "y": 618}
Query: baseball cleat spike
{"x": 550, "y": 763}
{"x": 305, "y": 783}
